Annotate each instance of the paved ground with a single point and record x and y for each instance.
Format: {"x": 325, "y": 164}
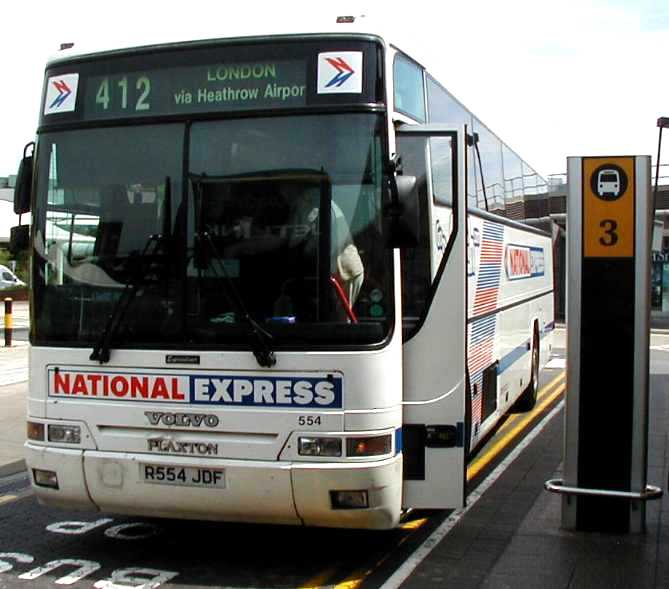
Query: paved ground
{"x": 13, "y": 387}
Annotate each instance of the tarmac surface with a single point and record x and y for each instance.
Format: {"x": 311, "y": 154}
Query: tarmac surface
{"x": 511, "y": 536}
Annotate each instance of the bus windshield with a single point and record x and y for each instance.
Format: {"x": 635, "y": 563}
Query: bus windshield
{"x": 204, "y": 228}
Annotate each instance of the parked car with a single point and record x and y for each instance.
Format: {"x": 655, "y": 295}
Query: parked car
{"x": 8, "y": 278}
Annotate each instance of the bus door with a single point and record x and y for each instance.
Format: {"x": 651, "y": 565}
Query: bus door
{"x": 434, "y": 320}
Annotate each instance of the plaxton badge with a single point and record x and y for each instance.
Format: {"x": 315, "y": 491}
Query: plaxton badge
{"x": 179, "y": 447}
{"x": 322, "y": 391}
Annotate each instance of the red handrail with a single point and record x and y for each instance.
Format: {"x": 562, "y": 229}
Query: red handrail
{"x": 344, "y": 299}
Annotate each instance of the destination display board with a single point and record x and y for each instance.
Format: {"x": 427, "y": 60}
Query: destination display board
{"x": 213, "y": 80}
{"x": 200, "y": 88}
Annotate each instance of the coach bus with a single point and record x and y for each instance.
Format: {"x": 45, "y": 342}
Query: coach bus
{"x": 274, "y": 279}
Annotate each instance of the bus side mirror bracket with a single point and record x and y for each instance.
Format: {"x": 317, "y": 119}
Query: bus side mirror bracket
{"x": 24, "y": 181}
{"x": 402, "y": 213}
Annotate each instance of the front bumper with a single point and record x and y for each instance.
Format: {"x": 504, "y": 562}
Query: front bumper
{"x": 255, "y": 491}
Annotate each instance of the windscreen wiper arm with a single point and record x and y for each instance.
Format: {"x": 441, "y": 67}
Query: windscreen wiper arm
{"x": 102, "y": 350}
{"x": 261, "y": 339}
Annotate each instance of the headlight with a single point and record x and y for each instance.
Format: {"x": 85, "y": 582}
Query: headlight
{"x": 313, "y": 446}
{"x": 65, "y": 434}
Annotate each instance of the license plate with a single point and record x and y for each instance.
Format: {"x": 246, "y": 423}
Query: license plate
{"x": 185, "y": 476}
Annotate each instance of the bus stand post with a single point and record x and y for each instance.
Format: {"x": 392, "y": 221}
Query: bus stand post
{"x": 606, "y": 426}
{"x": 9, "y": 323}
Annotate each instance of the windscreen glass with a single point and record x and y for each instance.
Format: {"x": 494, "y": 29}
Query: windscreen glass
{"x": 106, "y": 208}
{"x": 190, "y": 235}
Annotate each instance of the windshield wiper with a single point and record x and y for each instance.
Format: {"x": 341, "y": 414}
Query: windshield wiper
{"x": 259, "y": 338}
{"x": 102, "y": 350}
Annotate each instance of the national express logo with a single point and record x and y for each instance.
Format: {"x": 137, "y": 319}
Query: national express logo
{"x": 523, "y": 262}
{"x": 314, "y": 390}
{"x": 61, "y": 94}
{"x": 340, "y": 72}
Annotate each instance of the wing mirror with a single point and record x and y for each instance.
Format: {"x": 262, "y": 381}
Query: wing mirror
{"x": 19, "y": 236}
{"x": 24, "y": 181}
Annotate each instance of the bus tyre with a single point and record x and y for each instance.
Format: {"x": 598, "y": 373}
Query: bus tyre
{"x": 528, "y": 398}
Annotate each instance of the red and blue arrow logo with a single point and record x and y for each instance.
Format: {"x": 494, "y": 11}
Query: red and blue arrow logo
{"x": 63, "y": 92}
{"x": 344, "y": 72}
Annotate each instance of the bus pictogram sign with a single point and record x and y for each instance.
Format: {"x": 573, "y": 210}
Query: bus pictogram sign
{"x": 608, "y": 207}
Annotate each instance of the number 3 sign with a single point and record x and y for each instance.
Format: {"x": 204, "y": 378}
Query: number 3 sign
{"x": 608, "y": 207}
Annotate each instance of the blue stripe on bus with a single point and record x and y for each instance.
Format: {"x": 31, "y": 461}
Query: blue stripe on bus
{"x": 493, "y": 230}
{"x": 514, "y": 355}
{"x": 483, "y": 330}
{"x": 518, "y": 352}
{"x": 398, "y": 440}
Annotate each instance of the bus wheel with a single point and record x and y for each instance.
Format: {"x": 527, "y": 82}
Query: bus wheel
{"x": 528, "y": 398}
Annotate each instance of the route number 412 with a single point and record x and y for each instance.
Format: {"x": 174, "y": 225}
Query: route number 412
{"x": 116, "y": 94}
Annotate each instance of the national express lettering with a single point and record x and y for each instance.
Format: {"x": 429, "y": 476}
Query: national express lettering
{"x": 118, "y": 386}
{"x": 524, "y": 262}
{"x": 321, "y": 392}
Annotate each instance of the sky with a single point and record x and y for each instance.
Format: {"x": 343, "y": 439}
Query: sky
{"x": 551, "y": 78}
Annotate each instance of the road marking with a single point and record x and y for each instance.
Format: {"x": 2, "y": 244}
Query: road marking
{"x": 355, "y": 579}
{"x": 319, "y": 580}
{"x": 413, "y": 524}
{"x": 9, "y": 498}
{"x": 479, "y": 464}
{"x": 514, "y": 417}
{"x": 410, "y": 564}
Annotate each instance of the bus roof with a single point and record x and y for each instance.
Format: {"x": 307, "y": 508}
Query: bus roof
{"x": 353, "y": 25}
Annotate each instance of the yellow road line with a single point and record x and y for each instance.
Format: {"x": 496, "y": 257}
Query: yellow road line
{"x": 356, "y": 578}
{"x": 353, "y": 580}
{"x": 319, "y": 580}
{"x": 511, "y": 420}
{"x": 484, "y": 460}
{"x": 7, "y": 499}
{"x": 413, "y": 524}
{"x": 4, "y": 499}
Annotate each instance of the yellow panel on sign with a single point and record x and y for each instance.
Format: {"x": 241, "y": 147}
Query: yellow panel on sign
{"x": 608, "y": 207}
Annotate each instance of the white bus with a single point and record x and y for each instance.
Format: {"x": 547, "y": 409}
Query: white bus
{"x": 265, "y": 284}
